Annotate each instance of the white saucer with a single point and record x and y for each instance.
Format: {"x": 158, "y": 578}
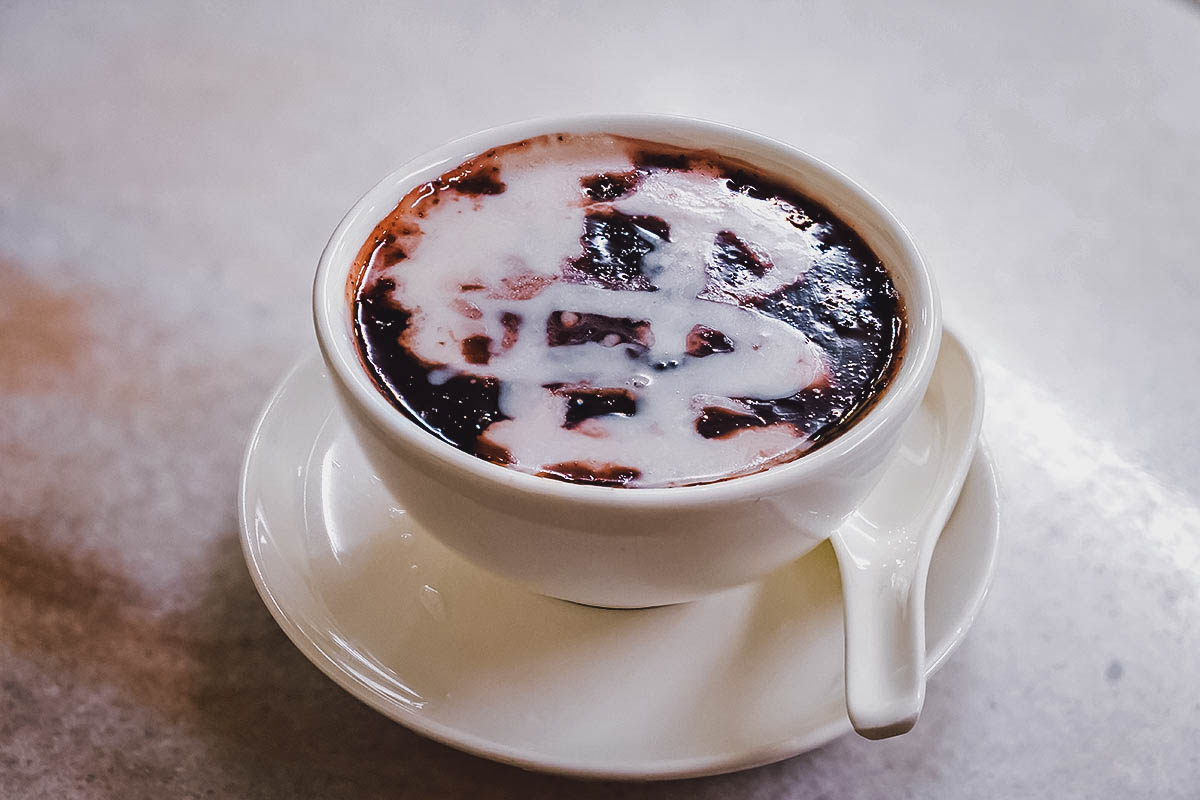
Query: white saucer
{"x": 746, "y": 677}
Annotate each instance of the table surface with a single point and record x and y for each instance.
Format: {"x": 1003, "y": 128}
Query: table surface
{"x": 170, "y": 172}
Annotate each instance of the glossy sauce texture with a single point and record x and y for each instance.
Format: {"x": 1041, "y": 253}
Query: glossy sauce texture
{"x": 613, "y": 311}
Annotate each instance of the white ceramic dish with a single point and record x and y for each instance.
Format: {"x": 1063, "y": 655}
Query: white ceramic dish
{"x": 608, "y": 546}
{"x": 736, "y": 679}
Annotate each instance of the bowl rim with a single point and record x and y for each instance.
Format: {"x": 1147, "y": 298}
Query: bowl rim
{"x": 332, "y": 315}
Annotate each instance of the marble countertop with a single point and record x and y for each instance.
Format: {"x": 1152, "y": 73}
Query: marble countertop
{"x": 170, "y": 172}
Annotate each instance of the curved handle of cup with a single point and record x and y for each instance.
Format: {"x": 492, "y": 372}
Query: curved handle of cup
{"x": 883, "y": 588}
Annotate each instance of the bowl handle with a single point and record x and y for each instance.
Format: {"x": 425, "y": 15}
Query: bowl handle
{"x": 883, "y": 589}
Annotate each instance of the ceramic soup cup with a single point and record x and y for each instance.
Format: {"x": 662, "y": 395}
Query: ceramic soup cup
{"x": 630, "y": 547}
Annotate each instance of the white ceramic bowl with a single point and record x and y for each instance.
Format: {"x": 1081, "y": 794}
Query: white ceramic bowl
{"x": 623, "y": 547}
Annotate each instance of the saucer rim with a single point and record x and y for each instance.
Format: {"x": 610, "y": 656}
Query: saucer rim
{"x": 692, "y": 767}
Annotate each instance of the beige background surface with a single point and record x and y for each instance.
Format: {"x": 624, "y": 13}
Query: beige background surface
{"x": 170, "y": 172}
